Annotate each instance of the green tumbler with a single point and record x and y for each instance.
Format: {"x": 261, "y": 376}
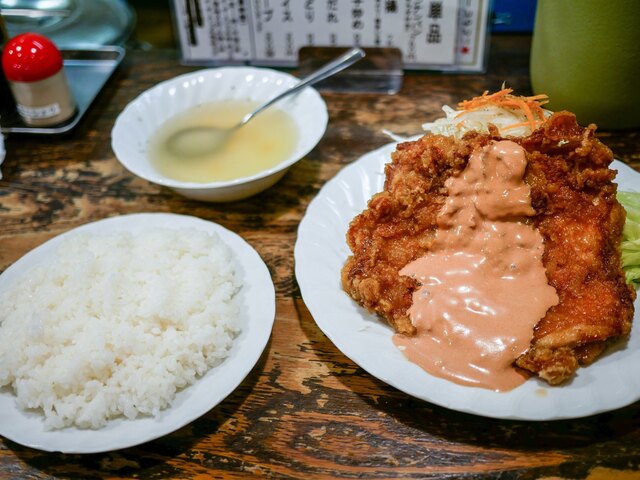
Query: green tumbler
{"x": 586, "y": 56}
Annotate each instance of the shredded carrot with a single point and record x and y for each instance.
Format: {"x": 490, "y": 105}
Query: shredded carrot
{"x": 531, "y": 106}
{"x": 515, "y": 125}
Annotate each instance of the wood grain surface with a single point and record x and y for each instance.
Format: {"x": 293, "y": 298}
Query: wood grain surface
{"x": 305, "y": 410}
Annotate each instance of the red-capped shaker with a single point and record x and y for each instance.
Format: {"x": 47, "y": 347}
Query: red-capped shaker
{"x": 32, "y": 65}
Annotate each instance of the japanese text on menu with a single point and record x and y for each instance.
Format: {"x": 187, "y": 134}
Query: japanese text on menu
{"x": 428, "y": 32}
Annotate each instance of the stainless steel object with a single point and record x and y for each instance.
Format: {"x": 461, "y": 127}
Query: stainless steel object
{"x": 87, "y": 72}
{"x": 71, "y": 23}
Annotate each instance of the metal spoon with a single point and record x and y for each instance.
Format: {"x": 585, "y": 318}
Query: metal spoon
{"x": 197, "y": 141}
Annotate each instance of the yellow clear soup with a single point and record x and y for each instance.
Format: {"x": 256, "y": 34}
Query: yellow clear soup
{"x": 268, "y": 139}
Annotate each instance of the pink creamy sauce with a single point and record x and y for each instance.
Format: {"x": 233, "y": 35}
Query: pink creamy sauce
{"x": 483, "y": 284}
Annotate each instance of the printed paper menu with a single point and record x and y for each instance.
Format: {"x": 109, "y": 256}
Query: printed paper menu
{"x": 431, "y": 34}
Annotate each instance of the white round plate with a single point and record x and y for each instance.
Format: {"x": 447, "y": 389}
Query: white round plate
{"x": 320, "y": 252}
{"x": 258, "y": 312}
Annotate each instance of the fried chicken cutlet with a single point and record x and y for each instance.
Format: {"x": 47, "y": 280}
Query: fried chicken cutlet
{"x": 577, "y": 215}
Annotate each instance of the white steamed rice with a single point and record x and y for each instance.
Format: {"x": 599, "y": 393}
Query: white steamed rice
{"x": 117, "y": 324}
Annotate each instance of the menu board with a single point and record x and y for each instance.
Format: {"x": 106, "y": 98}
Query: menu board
{"x": 431, "y": 34}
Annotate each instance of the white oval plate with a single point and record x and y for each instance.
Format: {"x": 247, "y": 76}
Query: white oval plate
{"x": 258, "y": 312}
{"x": 320, "y": 252}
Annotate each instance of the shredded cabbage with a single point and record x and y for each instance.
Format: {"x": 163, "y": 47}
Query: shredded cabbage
{"x": 456, "y": 123}
{"x": 630, "y": 245}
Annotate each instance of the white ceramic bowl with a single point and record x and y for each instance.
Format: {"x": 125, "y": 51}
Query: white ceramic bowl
{"x": 142, "y": 117}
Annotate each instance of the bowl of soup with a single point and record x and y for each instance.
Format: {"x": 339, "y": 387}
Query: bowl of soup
{"x": 250, "y": 160}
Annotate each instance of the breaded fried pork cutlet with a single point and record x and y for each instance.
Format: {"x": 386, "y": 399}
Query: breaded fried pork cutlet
{"x": 576, "y": 213}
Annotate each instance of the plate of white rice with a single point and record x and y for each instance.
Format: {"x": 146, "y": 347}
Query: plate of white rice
{"x": 126, "y": 329}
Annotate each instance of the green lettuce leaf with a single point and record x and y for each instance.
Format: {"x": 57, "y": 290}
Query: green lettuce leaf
{"x": 630, "y": 245}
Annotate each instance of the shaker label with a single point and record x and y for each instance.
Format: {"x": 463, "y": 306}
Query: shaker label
{"x": 47, "y": 111}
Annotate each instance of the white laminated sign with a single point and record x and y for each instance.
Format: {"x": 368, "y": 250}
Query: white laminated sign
{"x": 445, "y": 35}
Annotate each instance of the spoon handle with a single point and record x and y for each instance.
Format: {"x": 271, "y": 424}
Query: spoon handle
{"x": 331, "y": 68}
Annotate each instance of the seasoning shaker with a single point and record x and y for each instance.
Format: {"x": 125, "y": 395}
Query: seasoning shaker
{"x": 32, "y": 64}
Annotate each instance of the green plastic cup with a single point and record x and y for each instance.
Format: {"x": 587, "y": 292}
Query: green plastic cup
{"x": 586, "y": 56}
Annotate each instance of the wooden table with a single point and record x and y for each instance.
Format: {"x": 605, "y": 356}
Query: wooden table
{"x": 305, "y": 410}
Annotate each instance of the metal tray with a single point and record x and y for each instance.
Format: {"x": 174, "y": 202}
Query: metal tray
{"x": 87, "y": 72}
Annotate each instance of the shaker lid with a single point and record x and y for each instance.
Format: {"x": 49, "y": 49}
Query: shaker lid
{"x": 30, "y": 57}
